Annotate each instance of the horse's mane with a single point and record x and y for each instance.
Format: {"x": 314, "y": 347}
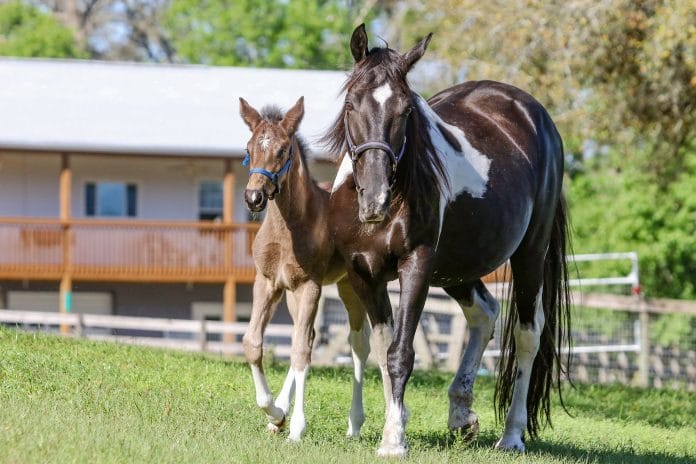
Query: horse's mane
{"x": 420, "y": 171}
{"x": 273, "y": 114}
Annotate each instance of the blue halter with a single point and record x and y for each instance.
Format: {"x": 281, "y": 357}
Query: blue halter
{"x": 273, "y": 176}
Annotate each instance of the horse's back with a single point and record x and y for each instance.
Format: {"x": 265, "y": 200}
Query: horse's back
{"x": 515, "y": 134}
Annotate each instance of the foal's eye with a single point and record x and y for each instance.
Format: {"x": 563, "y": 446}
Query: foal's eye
{"x": 279, "y": 154}
{"x": 349, "y": 106}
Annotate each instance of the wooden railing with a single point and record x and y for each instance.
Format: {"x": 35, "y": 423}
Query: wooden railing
{"x": 125, "y": 250}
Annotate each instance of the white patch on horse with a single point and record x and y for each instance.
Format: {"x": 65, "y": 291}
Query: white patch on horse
{"x": 264, "y": 141}
{"x": 394, "y": 434}
{"x": 527, "y": 339}
{"x": 344, "y": 170}
{"x": 382, "y": 93}
{"x": 297, "y": 421}
{"x": 360, "y": 347}
{"x": 467, "y": 170}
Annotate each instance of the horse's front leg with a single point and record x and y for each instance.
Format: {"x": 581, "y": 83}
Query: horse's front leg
{"x": 304, "y": 312}
{"x": 414, "y": 276}
{"x": 265, "y": 301}
{"x": 359, "y": 339}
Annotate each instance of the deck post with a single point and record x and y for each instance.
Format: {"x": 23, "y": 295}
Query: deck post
{"x": 230, "y": 290}
{"x": 65, "y": 293}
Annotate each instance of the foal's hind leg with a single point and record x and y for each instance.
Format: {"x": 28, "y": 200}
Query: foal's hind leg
{"x": 304, "y": 312}
{"x": 481, "y": 311}
{"x": 266, "y": 298}
{"x": 528, "y": 288}
{"x": 359, "y": 338}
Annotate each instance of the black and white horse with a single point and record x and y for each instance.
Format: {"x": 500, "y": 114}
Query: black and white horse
{"x": 442, "y": 192}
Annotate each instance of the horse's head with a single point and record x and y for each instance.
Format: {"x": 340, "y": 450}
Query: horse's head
{"x": 269, "y": 151}
{"x": 377, "y": 106}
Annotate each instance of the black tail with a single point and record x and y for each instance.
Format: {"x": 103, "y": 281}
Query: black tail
{"x": 548, "y": 366}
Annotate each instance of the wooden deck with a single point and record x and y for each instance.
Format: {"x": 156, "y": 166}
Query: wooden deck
{"x": 125, "y": 250}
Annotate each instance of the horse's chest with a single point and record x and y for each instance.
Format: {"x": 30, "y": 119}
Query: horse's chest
{"x": 286, "y": 265}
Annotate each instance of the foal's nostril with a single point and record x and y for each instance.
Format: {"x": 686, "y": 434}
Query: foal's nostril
{"x": 256, "y": 198}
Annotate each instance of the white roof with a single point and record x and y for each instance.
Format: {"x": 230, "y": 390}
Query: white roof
{"x": 105, "y": 107}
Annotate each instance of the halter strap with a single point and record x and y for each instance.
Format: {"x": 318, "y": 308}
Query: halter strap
{"x": 356, "y": 151}
{"x": 273, "y": 176}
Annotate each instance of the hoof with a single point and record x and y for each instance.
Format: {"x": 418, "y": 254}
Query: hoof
{"x": 392, "y": 452}
{"x": 275, "y": 428}
{"x": 511, "y": 444}
{"x": 468, "y": 430}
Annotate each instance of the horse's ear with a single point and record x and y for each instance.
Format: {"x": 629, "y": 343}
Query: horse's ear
{"x": 415, "y": 54}
{"x": 292, "y": 119}
{"x": 358, "y": 43}
{"x": 251, "y": 117}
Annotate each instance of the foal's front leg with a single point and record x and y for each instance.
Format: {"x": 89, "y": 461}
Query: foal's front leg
{"x": 304, "y": 312}
{"x": 266, "y": 298}
{"x": 414, "y": 276}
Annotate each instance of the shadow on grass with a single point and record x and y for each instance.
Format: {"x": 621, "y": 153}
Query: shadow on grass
{"x": 443, "y": 441}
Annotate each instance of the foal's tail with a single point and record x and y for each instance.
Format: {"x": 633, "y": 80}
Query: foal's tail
{"x": 548, "y": 365}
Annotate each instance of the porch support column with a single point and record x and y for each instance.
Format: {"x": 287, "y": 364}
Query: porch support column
{"x": 65, "y": 216}
{"x": 230, "y": 290}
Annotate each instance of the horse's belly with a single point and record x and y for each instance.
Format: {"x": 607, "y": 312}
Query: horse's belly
{"x": 477, "y": 238}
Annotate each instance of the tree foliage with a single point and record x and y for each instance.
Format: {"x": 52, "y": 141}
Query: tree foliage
{"x": 115, "y": 29}
{"x": 261, "y": 33}
{"x": 621, "y": 72}
{"x": 25, "y": 31}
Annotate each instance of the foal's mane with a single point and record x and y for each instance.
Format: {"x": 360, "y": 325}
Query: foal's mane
{"x": 273, "y": 114}
{"x": 420, "y": 171}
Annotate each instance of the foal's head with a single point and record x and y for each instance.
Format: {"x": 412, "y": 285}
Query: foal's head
{"x": 375, "y": 115}
{"x": 269, "y": 151}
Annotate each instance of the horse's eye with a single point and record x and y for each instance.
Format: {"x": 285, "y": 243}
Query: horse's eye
{"x": 349, "y": 106}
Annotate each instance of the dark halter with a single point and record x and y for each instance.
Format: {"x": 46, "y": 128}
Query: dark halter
{"x": 273, "y": 176}
{"x": 356, "y": 151}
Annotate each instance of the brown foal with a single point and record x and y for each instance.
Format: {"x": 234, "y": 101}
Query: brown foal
{"x": 294, "y": 252}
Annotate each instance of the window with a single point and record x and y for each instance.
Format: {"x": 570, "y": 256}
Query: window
{"x": 209, "y": 200}
{"x": 110, "y": 199}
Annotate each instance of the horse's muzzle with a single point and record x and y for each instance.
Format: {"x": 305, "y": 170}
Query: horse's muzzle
{"x": 255, "y": 199}
{"x": 373, "y": 208}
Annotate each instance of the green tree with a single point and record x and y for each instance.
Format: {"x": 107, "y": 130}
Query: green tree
{"x": 621, "y": 72}
{"x": 261, "y": 33}
{"x": 26, "y": 31}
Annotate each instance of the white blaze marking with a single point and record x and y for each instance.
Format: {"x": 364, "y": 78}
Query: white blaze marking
{"x": 382, "y": 93}
{"x": 467, "y": 170}
{"x": 344, "y": 170}
{"x": 264, "y": 141}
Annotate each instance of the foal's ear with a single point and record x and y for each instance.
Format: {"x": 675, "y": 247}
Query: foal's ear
{"x": 416, "y": 52}
{"x": 251, "y": 117}
{"x": 292, "y": 119}
{"x": 358, "y": 43}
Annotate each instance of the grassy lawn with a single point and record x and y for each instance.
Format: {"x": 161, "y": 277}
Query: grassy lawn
{"x": 76, "y": 401}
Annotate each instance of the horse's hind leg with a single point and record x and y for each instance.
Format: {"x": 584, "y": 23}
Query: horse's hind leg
{"x": 359, "y": 339}
{"x": 265, "y": 301}
{"x": 481, "y": 311}
{"x": 304, "y": 312}
{"x": 528, "y": 288}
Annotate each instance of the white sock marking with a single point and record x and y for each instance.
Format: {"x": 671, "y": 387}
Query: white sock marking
{"x": 360, "y": 347}
{"x": 527, "y": 346}
{"x": 297, "y": 421}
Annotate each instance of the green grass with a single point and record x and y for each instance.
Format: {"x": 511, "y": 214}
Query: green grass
{"x": 65, "y": 400}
